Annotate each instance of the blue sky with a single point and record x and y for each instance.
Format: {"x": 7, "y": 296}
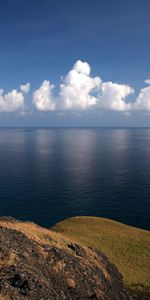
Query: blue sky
{"x": 43, "y": 40}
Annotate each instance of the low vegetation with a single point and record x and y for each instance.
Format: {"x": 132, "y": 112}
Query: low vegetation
{"x": 127, "y": 247}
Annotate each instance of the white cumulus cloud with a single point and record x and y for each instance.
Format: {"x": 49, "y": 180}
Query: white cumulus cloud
{"x": 143, "y": 100}
{"x": 42, "y": 97}
{"x": 82, "y": 67}
{"x": 11, "y": 101}
{"x": 147, "y": 81}
{"x": 79, "y": 89}
{"x": 25, "y": 87}
{"x": 112, "y": 96}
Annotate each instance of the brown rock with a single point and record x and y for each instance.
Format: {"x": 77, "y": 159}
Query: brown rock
{"x": 71, "y": 283}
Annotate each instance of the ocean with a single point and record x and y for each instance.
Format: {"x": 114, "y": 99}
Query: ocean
{"x": 49, "y": 174}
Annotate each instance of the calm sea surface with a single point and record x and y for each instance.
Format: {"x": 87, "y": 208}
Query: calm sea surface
{"x": 47, "y": 175}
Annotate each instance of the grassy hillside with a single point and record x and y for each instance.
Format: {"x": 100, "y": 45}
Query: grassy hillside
{"x": 37, "y": 263}
{"x": 127, "y": 247}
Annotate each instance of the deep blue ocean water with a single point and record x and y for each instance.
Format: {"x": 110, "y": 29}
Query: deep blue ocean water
{"x": 47, "y": 175}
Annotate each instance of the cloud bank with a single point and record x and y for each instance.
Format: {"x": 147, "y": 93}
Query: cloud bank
{"x": 78, "y": 91}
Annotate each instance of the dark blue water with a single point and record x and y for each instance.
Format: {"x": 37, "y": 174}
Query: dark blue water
{"x": 47, "y": 175}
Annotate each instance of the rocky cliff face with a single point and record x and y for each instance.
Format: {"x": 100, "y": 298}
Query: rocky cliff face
{"x": 34, "y": 265}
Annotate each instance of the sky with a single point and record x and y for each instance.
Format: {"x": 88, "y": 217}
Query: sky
{"x": 74, "y": 63}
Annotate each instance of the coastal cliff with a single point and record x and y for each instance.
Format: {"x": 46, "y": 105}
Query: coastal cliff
{"x": 37, "y": 263}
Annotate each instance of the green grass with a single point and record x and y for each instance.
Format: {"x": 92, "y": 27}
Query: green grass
{"x": 127, "y": 247}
